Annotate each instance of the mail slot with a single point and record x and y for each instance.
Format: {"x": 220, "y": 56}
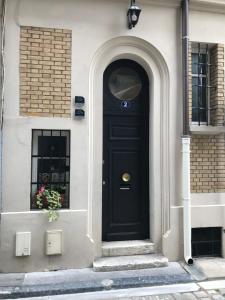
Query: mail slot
{"x": 125, "y": 187}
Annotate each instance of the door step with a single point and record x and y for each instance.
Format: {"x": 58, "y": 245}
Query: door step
{"x": 133, "y": 262}
{"x": 121, "y": 248}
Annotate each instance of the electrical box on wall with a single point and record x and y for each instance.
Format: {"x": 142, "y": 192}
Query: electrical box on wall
{"x": 53, "y": 242}
{"x": 79, "y": 100}
{"x": 79, "y": 113}
{"x": 23, "y": 243}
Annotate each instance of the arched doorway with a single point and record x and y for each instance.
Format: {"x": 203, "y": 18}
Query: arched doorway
{"x": 125, "y": 192}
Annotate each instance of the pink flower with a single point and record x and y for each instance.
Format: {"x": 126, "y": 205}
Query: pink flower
{"x": 42, "y": 189}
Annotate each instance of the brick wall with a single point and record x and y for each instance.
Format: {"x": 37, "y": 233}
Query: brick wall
{"x": 208, "y": 151}
{"x": 45, "y": 72}
{"x": 207, "y": 164}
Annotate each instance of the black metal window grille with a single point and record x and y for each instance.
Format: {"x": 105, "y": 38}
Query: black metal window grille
{"x": 207, "y": 242}
{"x": 201, "y": 83}
{"x": 50, "y": 163}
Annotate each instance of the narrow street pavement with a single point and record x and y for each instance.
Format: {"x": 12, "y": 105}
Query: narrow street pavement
{"x": 188, "y": 291}
{"x": 204, "y": 280}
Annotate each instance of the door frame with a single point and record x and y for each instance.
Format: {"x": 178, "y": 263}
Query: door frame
{"x": 159, "y": 174}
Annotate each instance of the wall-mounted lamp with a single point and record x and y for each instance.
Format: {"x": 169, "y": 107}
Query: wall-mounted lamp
{"x": 133, "y": 14}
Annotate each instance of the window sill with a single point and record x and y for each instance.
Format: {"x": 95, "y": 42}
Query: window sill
{"x": 204, "y": 129}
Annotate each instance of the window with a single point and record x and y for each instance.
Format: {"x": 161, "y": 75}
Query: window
{"x": 200, "y": 83}
{"x": 207, "y": 85}
{"x": 206, "y": 241}
{"x": 51, "y": 162}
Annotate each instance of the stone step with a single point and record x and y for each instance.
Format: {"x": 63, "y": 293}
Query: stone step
{"x": 119, "y": 263}
{"x": 127, "y": 248}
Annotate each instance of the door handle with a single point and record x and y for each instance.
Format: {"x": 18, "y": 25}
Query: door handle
{"x": 103, "y": 182}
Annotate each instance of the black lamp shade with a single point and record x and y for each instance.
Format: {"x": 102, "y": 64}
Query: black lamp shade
{"x": 133, "y": 15}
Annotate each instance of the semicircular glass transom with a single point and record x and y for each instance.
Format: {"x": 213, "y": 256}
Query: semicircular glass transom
{"x": 124, "y": 83}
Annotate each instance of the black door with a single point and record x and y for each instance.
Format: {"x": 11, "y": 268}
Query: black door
{"x": 125, "y": 212}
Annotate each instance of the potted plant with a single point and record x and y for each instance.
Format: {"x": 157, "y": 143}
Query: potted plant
{"x": 49, "y": 200}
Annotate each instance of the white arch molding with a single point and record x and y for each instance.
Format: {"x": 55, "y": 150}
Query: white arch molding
{"x": 153, "y": 62}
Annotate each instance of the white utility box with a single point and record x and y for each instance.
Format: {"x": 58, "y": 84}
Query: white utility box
{"x": 23, "y": 242}
{"x": 53, "y": 242}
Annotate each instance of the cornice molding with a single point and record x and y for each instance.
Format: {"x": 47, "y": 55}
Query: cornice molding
{"x": 165, "y": 3}
{"x": 217, "y": 6}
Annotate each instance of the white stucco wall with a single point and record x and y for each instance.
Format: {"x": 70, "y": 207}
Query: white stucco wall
{"x": 93, "y": 25}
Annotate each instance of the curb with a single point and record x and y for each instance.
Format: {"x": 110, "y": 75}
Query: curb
{"x": 92, "y": 286}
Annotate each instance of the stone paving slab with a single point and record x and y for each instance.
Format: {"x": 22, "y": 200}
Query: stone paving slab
{"x": 132, "y": 262}
{"x": 87, "y": 286}
{"x": 213, "y": 267}
{"x": 183, "y": 296}
{"x": 190, "y": 291}
{"x": 73, "y": 275}
{"x": 120, "y": 248}
{"x": 149, "y": 284}
{"x": 10, "y": 279}
{"x": 152, "y": 293}
{"x": 86, "y": 280}
{"x": 212, "y": 284}
{"x": 196, "y": 273}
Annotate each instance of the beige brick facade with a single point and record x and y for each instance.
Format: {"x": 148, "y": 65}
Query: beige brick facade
{"x": 208, "y": 151}
{"x": 207, "y": 164}
{"x": 45, "y": 72}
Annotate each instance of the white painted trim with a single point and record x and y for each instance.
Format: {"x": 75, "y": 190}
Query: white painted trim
{"x": 186, "y": 199}
{"x": 199, "y": 206}
{"x": 154, "y": 64}
{"x": 202, "y": 199}
{"x": 36, "y": 212}
{"x": 204, "y": 129}
{"x": 217, "y": 6}
{"x": 208, "y": 205}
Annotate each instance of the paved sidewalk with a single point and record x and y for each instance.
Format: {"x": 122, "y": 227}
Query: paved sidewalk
{"x": 188, "y": 291}
{"x": 168, "y": 283}
{"x": 86, "y": 280}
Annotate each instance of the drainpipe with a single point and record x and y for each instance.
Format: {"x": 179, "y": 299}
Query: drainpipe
{"x": 2, "y": 80}
{"x": 186, "y": 137}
